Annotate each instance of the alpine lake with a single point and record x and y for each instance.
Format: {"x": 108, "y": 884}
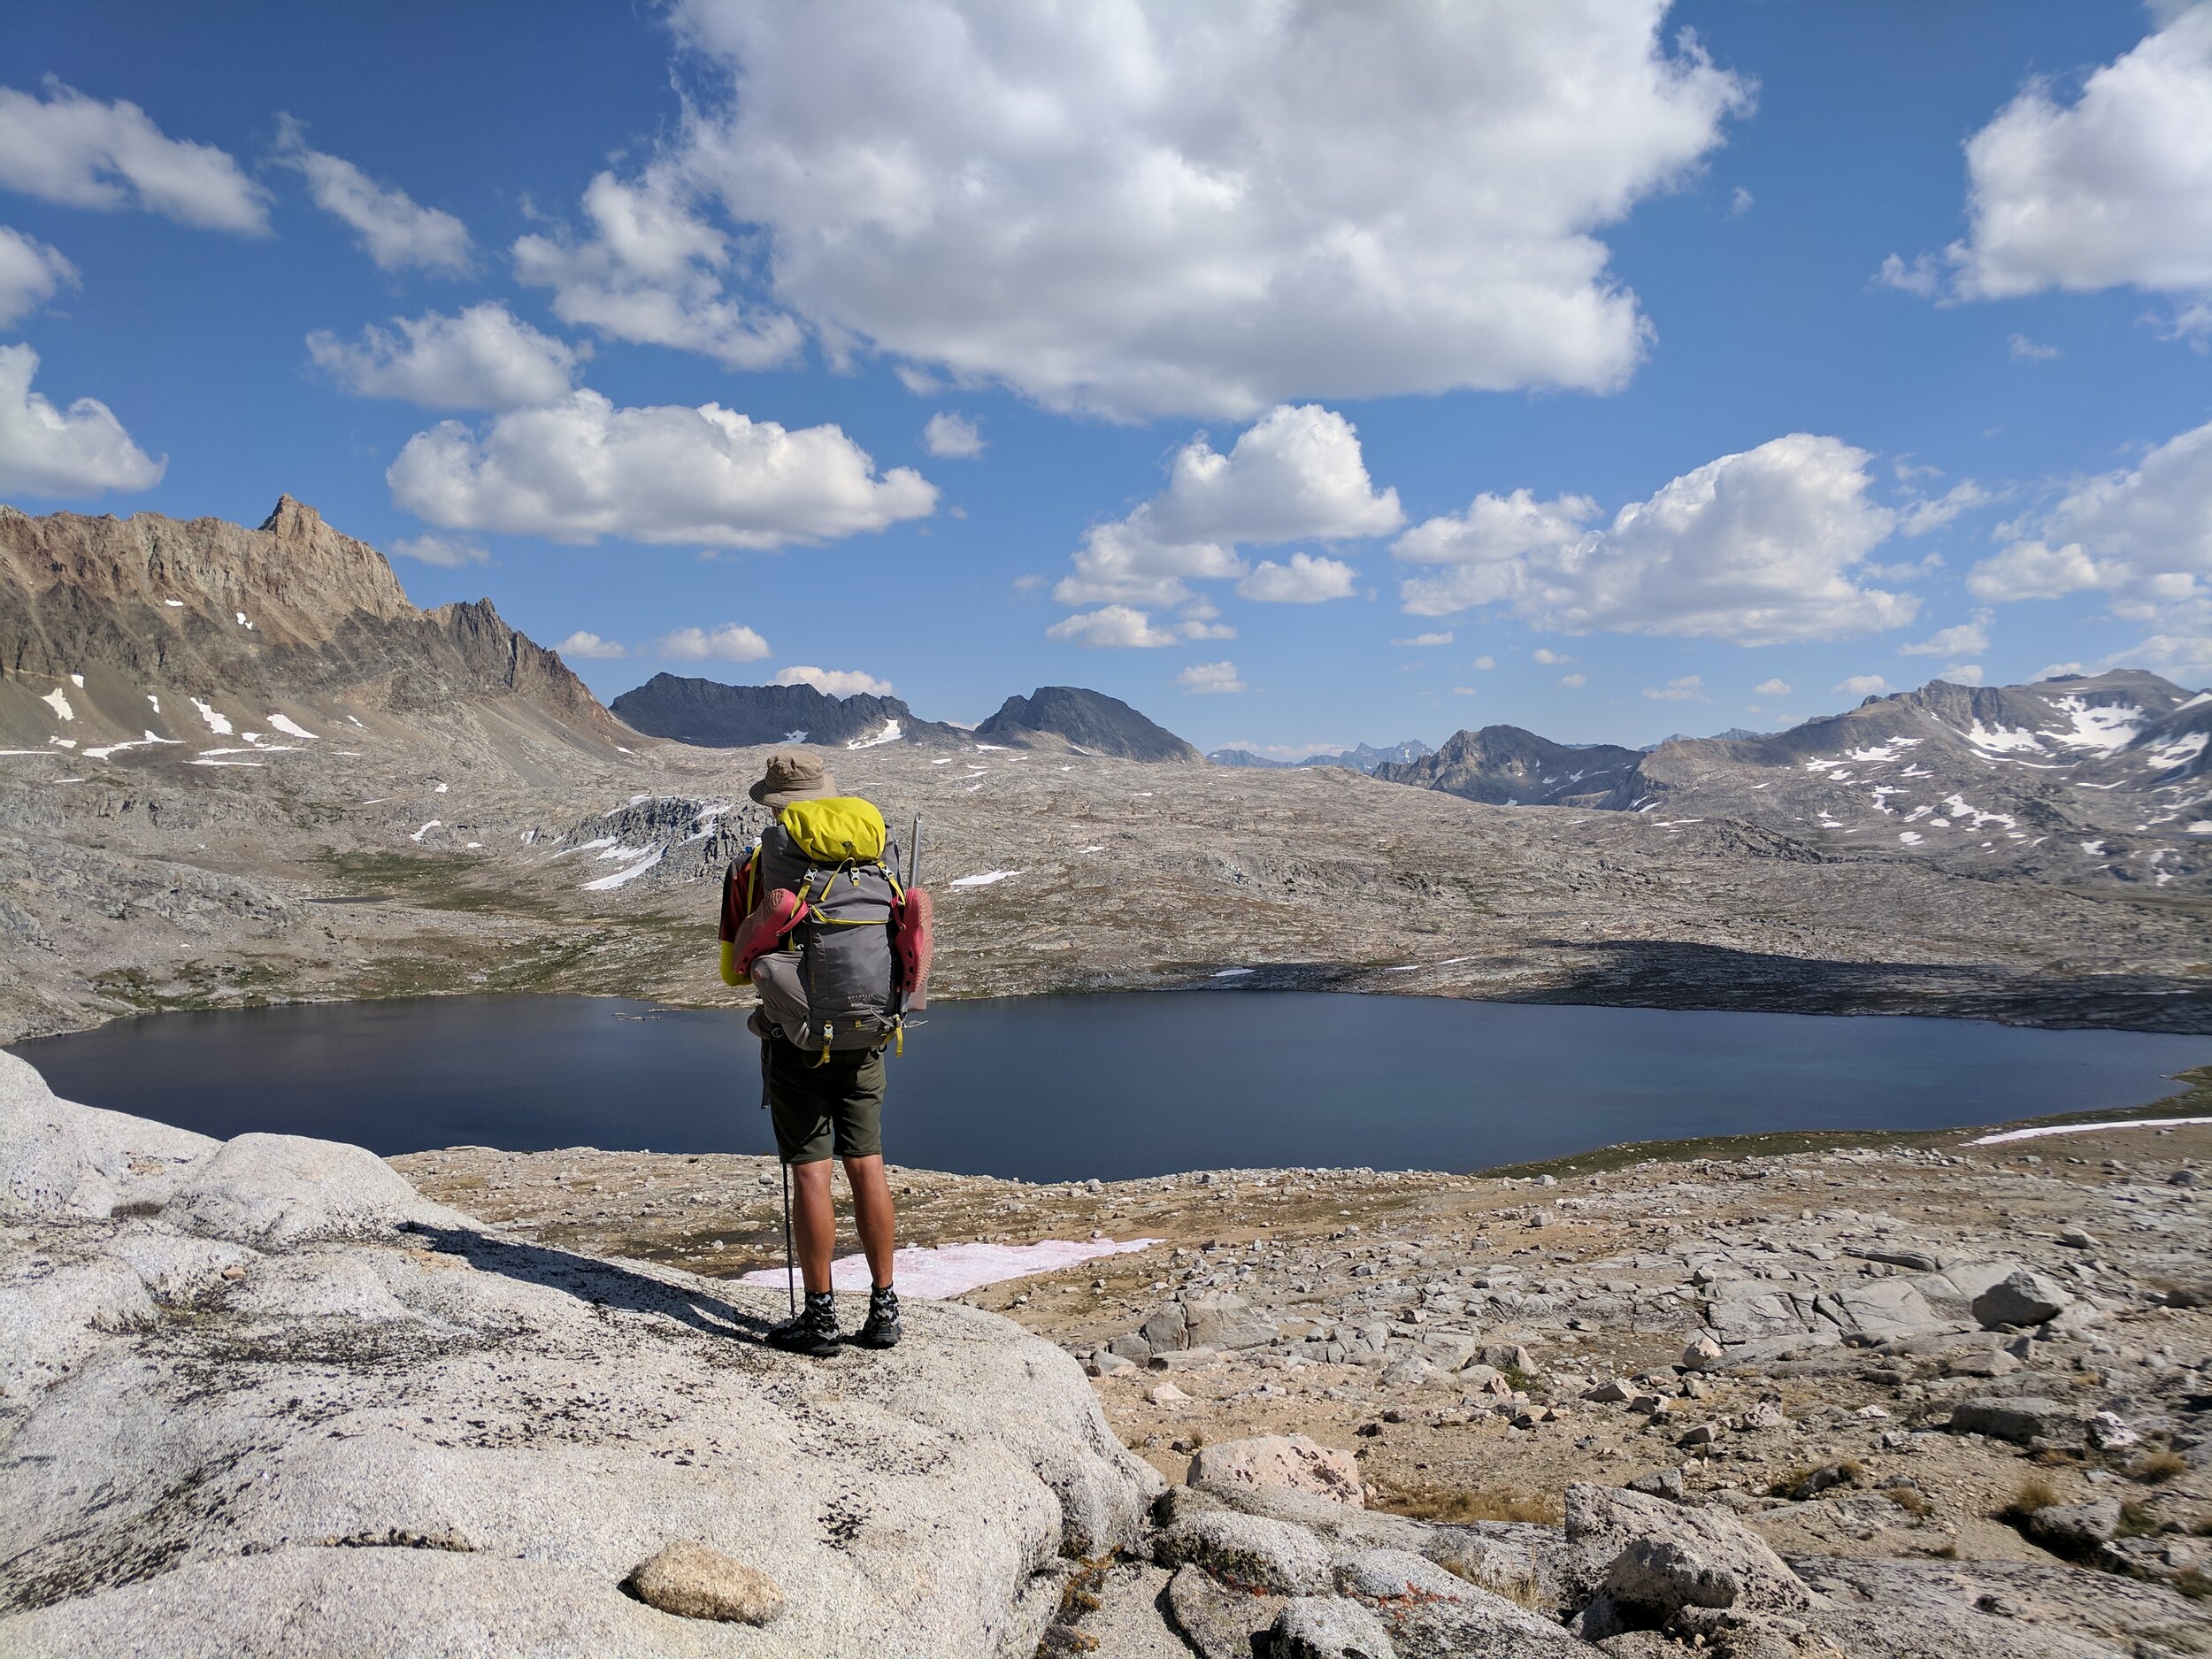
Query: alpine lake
{"x": 1110, "y": 1086}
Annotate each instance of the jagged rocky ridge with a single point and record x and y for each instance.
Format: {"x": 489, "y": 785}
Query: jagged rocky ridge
{"x": 155, "y": 631}
{"x": 711, "y": 715}
{"x": 1068, "y": 717}
{"x": 2105, "y": 777}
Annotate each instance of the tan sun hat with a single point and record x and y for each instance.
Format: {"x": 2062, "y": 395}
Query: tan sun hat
{"x": 793, "y": 774}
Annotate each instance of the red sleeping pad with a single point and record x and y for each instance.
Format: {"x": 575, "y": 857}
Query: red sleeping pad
{"x": 914, "y": 942}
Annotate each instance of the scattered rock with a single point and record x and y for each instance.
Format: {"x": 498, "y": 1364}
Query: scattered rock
{"x": 1220, "y": 1624}
{"x": 693, "y": 1581}
{"x": 2022, "y": 1297}
{"x": 1249, "y": 1551}
{"x": 274, "y": 1192}
{"x": 1290, "y": 1462}
{"x": 2024, "y": 1421}
{"x": 1328, "y": 1627}
{"x": 2076, "y": 1527}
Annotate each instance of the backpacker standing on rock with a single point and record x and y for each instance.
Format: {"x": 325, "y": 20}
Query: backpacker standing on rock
{"x": 818, "y": 922}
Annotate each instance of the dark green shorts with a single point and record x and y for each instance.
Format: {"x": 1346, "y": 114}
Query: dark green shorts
{"x": 834, "y": 1109}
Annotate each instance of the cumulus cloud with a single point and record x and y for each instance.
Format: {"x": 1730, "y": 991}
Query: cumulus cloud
{"x": 581, "y": 468}
{"x": 2109, "y": 189}
{"x": 1297, "y": 472}
{"x": 952, "y": 437}
{"x": 395, "y": 230}
{"x": 1208, "y": 679}
{"x": 2027, "y": 351}
{"x": 1962, "y": 674}
{"x": 80, "y": 152}
{"x": 1923, "y": 516}
{"x": 585, "y": 645}
{"x": 1771, "y": 688}
{"x": 48, "y": 451}
{"x": 1151, "y": 208}
{"x": 1689, "y": 688}
{"x": 31, "y": 273}
{"x": 729, "y": 643}
{"x": 1486, "y": 661}
{"x": 1111, "y": 626}
{"x": 651, "y": 272}
{"x": 484, "y": 358}
{"x": 833, "y": 683}
{"x": 1421, "y": 639}
{"x": 1759, "y": 548}
{"x": 1574, "y": 682}
{"x": 1964, "y": 636}
{"x": 1305, "y": 581}
{"x": 1861, "y": 686}
{"x": 2141, "y": 535}
{"x": 1548, "y": 658}
{"x": 445, "y": 551}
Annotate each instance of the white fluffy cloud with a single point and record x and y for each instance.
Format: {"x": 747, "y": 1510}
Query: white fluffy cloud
{"x": 1209, "y": 679}
{"x": 484, "y": 358}
{"x": 76, "y": 150}
{"x": 1123, "y": 625}
{"x": 31, "y": 273}
{"x": 395, "y": 230}
{"x": 1962, "y": 674}
{"x": 48, "y": 451}
{"x": 1759, "y": 548}
{"x": 1486, "y": 662}
{"x": 729, "y": 643}
{"x": 1441, "y": 637}
{"x": 582, "y": 469}
{"x": 585, "y": 645}
{"x": 1954, "y": 641}
{"x": 1548, "y": 658}
{"x": 1689, "y": 688}
{"x": 1861, "y": 686}
{"x": 1574, "y": 682}
{"x": 1296, "y": 472}
{"x": 446, "y": 552}
{"x": 1147, "y": 207}
{"x": 952, "y": 437}
{"x": 1771, "y": 688}
{"x": 2142, "y": 535}
{"x": 835, "y": 682}
{"x": 651, "y": 270}
{"x": 1306, "y": 581}
{"x": 2113, "y": 188}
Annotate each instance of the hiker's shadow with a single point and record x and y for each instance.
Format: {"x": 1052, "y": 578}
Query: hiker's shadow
{"x": 602, "y": 1284}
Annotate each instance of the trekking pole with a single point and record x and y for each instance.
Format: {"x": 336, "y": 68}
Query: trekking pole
{"x": 790, "y": 1291}
{"x": 914, "y": 853}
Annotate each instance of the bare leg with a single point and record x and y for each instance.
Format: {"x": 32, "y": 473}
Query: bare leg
{"x": 813, "y": 1223}
{"x": 872, "y": 1214}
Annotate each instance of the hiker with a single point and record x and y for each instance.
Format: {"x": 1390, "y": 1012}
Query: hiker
{"x": 816, "y": 920}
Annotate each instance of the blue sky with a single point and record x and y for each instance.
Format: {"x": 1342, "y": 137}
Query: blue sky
{"x": 1642, "y": 361}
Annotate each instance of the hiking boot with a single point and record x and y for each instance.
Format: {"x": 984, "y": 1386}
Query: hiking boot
{"x": 882, "y": 1329}
{"x": 814, "y": 1332}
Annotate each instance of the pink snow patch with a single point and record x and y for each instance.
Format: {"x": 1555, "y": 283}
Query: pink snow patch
{"x": 952, "y": 1269}
{"x": 2084, "y": 1129}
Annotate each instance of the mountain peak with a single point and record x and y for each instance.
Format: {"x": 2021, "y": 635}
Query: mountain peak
{"x": 292, "y": 519}
{"x": 1085, "y": 719}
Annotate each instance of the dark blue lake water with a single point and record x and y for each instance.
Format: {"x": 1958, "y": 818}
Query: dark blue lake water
{"x": 1054, "y": 1088}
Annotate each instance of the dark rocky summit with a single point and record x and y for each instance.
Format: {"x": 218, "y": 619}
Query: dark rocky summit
{"x": 1070, "y": 716}
{"x": 1504, "y": 765}
{"x": 711, "y": 715}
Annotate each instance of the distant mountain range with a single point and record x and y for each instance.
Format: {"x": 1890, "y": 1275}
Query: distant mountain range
{"x": 1361, "y": 757}
{"x": 1054, "y": 716}
{"x": 2103, "y": 774}
{"x": 711, "y": 715}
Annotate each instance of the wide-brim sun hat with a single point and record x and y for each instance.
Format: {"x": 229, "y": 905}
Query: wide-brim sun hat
{"x": 793, "y": 774}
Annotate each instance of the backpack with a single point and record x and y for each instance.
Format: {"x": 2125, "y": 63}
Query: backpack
{"x": 836, "y": 855}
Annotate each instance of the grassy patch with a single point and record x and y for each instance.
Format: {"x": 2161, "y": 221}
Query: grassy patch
{"x": 434, "y": 881}
{"x": 1457, "y": 1504}
{"x": 2154, "y": 1468}
{"x": 2034, "y": 1494}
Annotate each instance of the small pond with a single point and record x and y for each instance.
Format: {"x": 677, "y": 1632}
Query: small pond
{"x": 1054, "y": 1088}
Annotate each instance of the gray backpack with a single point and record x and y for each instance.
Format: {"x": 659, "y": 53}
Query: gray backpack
{"x": 848, "y": 968}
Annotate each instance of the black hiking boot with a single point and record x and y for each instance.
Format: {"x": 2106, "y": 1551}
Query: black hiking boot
{"x": 883, "y": 1329}
{"x": 813, "y": 1332}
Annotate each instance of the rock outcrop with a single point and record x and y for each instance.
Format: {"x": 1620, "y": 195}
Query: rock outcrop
{"x": 259, "y": 1398}
{"x": 1069, "y": 717}
{"x": 711, "y": 715}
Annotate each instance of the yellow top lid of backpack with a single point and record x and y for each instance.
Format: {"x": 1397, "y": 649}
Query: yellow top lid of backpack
{"x": 835, "y": 828}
